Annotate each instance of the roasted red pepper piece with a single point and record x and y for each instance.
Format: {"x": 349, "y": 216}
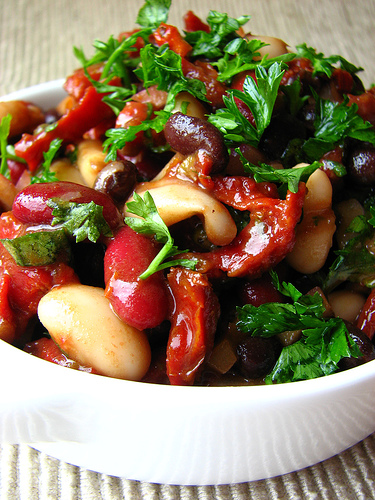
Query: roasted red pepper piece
{"x": 366, "y": 319}
{"x": 193, "y": 324}
{"x": 25, "y": 285}
{"x": 88, "y": 113}
{"x": 7, "y": 318}
{"x": 366, "y": 105}
{"x": 194, "y": 23}
{"x": 267, "y": 238}
{"x": 203, "y": 71}
{"x": 45, "y": 348}
{"x": 166, "y": 33}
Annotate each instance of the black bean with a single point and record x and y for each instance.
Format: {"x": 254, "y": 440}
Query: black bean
{"x": 257, "y": 356}
{"x": 279, "y": 133}
{"x": 365, "y": 345}
{"x": 188, "y": 134}
{"x": 361, "y": 165}
{"x": 117, "y": 179}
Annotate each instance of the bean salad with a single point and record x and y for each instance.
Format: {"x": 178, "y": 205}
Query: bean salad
{"x": 198, "y": 210}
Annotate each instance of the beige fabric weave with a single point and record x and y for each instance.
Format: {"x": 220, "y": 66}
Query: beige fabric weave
{"x": 36, "y": 40}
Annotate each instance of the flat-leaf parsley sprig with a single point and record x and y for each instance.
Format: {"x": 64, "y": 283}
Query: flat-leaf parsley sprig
{"x": 80, "y": 220}
{"x": 150, "y": 223}
{"x": 323, "y": 343}
{"x": 259, "y": 96}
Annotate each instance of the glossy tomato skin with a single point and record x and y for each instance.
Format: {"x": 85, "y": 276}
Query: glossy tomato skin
{"x": 140, "y": 303}
{"x": 30, "y": 204}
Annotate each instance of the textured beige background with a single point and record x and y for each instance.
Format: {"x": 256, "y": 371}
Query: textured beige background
{"x": 36, "y": 40}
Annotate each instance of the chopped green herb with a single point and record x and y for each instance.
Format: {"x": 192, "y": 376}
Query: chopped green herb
{"x": 38, "y": 248}
{"x": 6, "y": 150}
{"x": 153, "y": 13}
{"x": 222, "y": 29}
{"x": 80, "y": 220}
{"x": 325, "y": 65}
{"x": 259, "y": 96}
{"x": 118, "y": 137}
{"x": 355, "y": 263}
{"x": 289, "y": 176}
{"x": 239, "y": 56}
{"x": 4, "y": 132}
{"x": 150, "y": 223}
{"x": 293, "y": 95}
{"x": 334, "y": 122}
{"x": 324, "y": 341}
{"x": 45, "y": 174}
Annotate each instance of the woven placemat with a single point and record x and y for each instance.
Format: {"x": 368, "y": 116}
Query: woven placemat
{"x": 28, "y": 474}
{"x": 36, "y": 40}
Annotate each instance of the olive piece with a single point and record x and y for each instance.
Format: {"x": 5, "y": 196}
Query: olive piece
{"x": 188, "y": 134}
{"x": 117, "y": 179}
{"x": 361, "y": 165}
{"x": 257, "y": 356}
{"x": 365, "y": 345}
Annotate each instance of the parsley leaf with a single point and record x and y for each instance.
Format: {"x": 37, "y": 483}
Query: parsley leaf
{"x": 39, "y": 248}
{"x": 45, "y": 175}
{"x": 322, "y": 64}
{"x": 259, "y": 96}
{"x": 289, "y": 176}
{"x": 81, "y": 220}
{"x": 118, "y": 137}
{"x": 4, "y": 132}
{"x": 150, "y": 223}
{"x": 293, "y": 96}
{"x": 356, "y": 261}
{"x": 6, "y": 150}
{"x": 153, "y": 13}
{"x": 162, "y": 67}
{"x": 114, "y": 56}
{"x": 239, "y": 56}
{"x": 222, "y": 29}
{"x": 324, "y": 341}
{"x": 334, "y": 122}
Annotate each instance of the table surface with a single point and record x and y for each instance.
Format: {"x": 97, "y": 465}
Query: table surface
{"x": 36, "y": 40}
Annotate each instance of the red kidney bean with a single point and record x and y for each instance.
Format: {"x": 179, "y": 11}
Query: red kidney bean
{"x": 140, "y": 303}
{"x": 187, "y": 134}
{"x": 30, "y": 204}
{"x": 259, "y": 291}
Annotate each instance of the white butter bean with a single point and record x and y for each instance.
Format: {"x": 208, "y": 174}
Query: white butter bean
{"x": 193, "y": 106}
{"x": 81, "y": 322}
{"x": 275, "y": 46}
{"x": 7, "y": 193}
{"x": 177, "y": 200}
{"x": 314, "y": 234}
{"x": 346, "y": 304}
{"x": 90, "y": 160}
{"x": 346, "y": 211}
{"x": 65, "y": 171}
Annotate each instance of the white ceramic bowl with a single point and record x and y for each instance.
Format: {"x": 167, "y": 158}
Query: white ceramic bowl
{"x": 178, "y": 435}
